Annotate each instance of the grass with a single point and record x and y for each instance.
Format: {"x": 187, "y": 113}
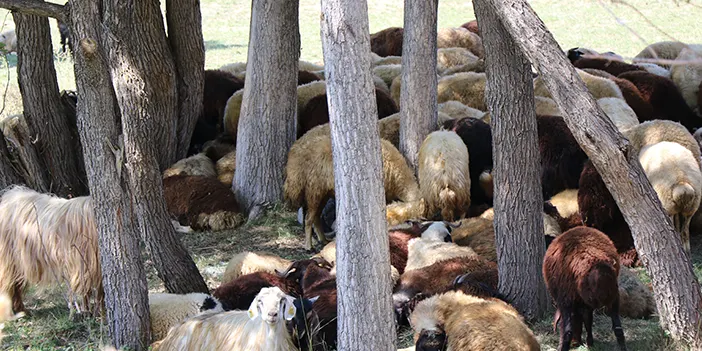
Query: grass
{"x": 225, "y": 28}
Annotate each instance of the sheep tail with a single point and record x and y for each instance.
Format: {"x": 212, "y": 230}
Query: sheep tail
{"x": 600, "y": 285}
{"x": 449, "y": 201}
{"x": 684, "y": 197}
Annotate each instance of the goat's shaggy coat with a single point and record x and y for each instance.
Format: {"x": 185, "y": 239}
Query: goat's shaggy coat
{"x": 202, "y": 202}
{"x": 581, "y": 268}
{"x": 444, "y": 175}
{"x": 467, "y": 322}
{"x": 46, "y": 240}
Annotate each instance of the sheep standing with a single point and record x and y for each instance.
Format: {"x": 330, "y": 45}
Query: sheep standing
{"x": 444, "y": 175}
{"x": 46, "y": 240}
{"x": 581, "y": 268}
{"x": 167, "y": 310}
{"x": 261, "y": 328}
{"x": 464, "y": 322}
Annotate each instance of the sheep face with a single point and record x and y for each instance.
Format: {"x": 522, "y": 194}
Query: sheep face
{"x": 298, "y": 268}
{"x": 211, "y": 304}
{"x": 432, "y": 340}
{"x": 270, "y": 304}
{"x": 438, "y": 231}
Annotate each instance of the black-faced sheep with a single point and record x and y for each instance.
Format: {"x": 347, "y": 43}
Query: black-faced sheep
{"x": 581, "y": 268}
{"x": 168, "y": 310}
{"x": 456, "y": 321}
{"x": 196, "y": 165}
{"x": 477, "y": 136}
{"x": 251, "y": 262}
{"x": 261, "y": 328}
{"x": 387, "y": 42}
{"x": 444, "y": 175}
{"x": 460, "y": 38}
{"x": 664, "y": 97}
{"x": 562, "y": 158}
{"x": 45, "y": 240}
{"x": 238, "y": 293}
{"x": 202, "y": 202}
{"x": 309, "y": 180}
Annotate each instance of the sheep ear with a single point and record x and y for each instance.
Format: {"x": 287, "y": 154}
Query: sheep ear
{"x": 289, "y": 308}
{"x": 253, "y": 309}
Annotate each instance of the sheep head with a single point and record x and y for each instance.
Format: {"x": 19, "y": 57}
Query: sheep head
{"x": 270, "y": 304}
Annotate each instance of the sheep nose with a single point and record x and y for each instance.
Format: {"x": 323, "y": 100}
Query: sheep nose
{"x": 273, "y": 314}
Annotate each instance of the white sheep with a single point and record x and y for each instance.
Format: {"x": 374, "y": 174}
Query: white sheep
{"x": 566, "y": 202}
{"x": 457, "y": 110}
{"x": 167, "y": 310}
{"x": 619, "y": 112}
{"x": 252, "y": 262}
{"x": 9, "y": 38}
{"x": 261, "y": 328}
{"x": 599, "y": 87}
{"x": 424, "y": 252}
{"x": 687, "y": 76}
{"x": 444, "y": 175}
{"x": 677, "y": 179}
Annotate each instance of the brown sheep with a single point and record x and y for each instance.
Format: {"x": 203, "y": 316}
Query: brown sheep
{"x": 240, "y": 292}
{"x": 472, "y": 26}
{"x": 387, "y": 42}
{"x": 581, "y": 268}
{"x": 613, "y": 67}
{"x": 202, "y": 202}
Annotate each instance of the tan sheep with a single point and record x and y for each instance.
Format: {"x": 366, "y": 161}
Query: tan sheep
{"x": 422, "y": 252}
{"x": 566, "y": 202}
{"x": 387, "y": 60}
{"x": 467, "y": 88}
{"x": 662, "y": 50}
{"x": 226, "y": 167}
{"x": 234, "y": 68}
{"x": 168, "y": 310}
{"x": 471, "y": 323}
{"x": 546, "y": 106}
{"x": 478, "y": 234}
{"x": 387, "y": 73}
{"x": 251, "y": 262}
{"x": 400, "y": 212}
{"x": 448, "y": 58}
{"x": 460, "y": 38}
{"x": 457, "y": 110}
{"x": 196, "y": 165}
{"x": 310, "y": 179}
{"x": 619, "y": 112}
{"x": 599, "y": 87}
{"x": 444, "y": 175}
{"x": 477, "y": 67}
{"x": 652, "y": 132}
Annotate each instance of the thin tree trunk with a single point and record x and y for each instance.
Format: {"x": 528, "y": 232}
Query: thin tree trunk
{"x": 363, "y": 262}
{"x": 188, "y": 49}
{"x": 267, "y": 125}
{"x": 124, "y": 279}
{"x": 676, "y": 290}
{"x": 8, "y": 173}
{"x": 418, "y": 91}
{"x": 56, "y": 139}
{"x": 148, "y": 112}
{"x": 518, "y": 203}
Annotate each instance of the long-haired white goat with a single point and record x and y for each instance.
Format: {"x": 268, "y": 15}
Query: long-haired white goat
{"x": 261, "y": 328}
{"x": 45, "y": 240}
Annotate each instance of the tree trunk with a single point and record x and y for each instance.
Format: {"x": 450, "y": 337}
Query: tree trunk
{"x": 677, "y": 291}
{"x": 8, "y": 173}
{"x": 363, "y": 262}
{"x": 518, "y": 203}
{"x": 23, "y": 153}
{"x": 188, "y": 49}
{"x": 56, "y": 139}
{"x": 148, "y": 111}
{"x": 124, "y": 279}
{"x": 267, "y": 125}
{"x": 419, "y": 110}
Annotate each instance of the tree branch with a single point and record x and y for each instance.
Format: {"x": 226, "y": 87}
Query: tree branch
{"x": 36, "y": 7}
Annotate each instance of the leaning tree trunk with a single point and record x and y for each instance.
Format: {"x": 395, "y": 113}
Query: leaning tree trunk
{"x": 363, "y": 262}
{"x": 188, "y": 49}
{"x": 675, "y": 287}
{"x": 267, "y": 125}
{"x": 8, "y": 173}
{"x": 57, "y": 142}
{"x": 418, "y": 91}
{"x": 144, "y": 81}
{"x": 123, "y": 276}
{"x": 518, "y": 202}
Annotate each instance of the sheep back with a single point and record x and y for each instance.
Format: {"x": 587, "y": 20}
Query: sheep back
{"x": 202, "y": 202}
{"x": 196, "y": 165}
{"x": 460, "y": 38}
{"x": 387, "y": 42}
{"x": 167, "y": 310}
{"x": 467, "y": 88}
{"x": 251, "y": 262}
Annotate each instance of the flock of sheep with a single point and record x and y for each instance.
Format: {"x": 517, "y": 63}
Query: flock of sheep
{"x": 442, "y": 247}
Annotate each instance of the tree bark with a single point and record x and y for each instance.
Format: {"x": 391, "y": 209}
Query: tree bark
{"x": 188, "y": 49}
{"x": 8, "y": 173}
{"x": 267, "y": 125}
{"x": 56, "y": 139}
{"x": 677, "y": 291}
{"x": 23, "y": 153}
{"x": 36, "y": 7}
{"x": 418, "y": 115}
{"x": 363, "y": 262}
{"x": 143, "y": 77}
{"x": 518, "y": 203}
{"x": 124, "y": 279}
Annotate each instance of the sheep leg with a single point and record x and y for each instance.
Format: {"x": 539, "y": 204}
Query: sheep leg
{"x": 17, "y": 305}
{"x": 577, "y": 322}
{"x": 566, "y": 328}
{"x": 617, "y": 325}
{"x": 308, "y": 230}
{"x": 319, "y": 230}
{"x": 587, "y": 317}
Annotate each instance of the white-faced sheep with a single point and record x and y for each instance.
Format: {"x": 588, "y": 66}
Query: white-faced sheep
{"x": 467, "y": 88}
{"x": 687, "y": 75}
{"x": 599, "y": 87}
{"x": 444, "y": 176}
{"x": 196, "y": 165}
{"x": 309, "y": 180}
{"x": 261, "y": 328}
{"x": 619, "y": 113}
{"x": 460, "y": 38}
{"x": 675, "y": 175}
{"x": 251, "y": 262}
{"x": 46, "y": 240}
{"x": 581, "y": 268}
{"x": 226, "y": 167}
{"x": 456, "y": 321}
{"x": 168, "y": 310}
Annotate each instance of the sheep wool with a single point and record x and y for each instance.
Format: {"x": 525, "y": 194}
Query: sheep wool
{"x": 226, "y": 167}
{"x": 447, "y": 58}
{"x": 234, "y": 68}
{"x": 196, "y": 165}
{"x": 546, "y": 106}
{"x": 653, "y": 132}
{"x": 251, "y": 262}
{"x": 232, "y": 111}
{"x": 599, "y": 87}
{"x": 654, "y": 68}
{"x": 471, "y": 323}
{"x": 387, "y": 73}
{"x": 167, "y": 310}
{"x": 662, "y": 50}
{"x": 9, "y": 38}
{"x": 635, "y": 299}
{"x": 444, "y": 175}
{"x": 467, "y": 88}
{"x": 688, "y": 75}
{"x": 422, "y": 253}
{"x": 457, "y": 110}
{"x": 566, "y": 202}
{"x": 460, "y": 38}
{"x": 619, "y": 112}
